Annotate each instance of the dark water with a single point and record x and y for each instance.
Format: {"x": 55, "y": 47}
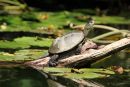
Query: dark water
{"x": 27, "y": 77}
{"x": 21, "y": 77}
{"x": 121, "y": 58}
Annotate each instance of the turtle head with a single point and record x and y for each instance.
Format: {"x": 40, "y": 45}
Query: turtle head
{"x": 88, "y": 26}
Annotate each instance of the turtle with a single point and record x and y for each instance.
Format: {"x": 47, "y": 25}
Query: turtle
{"x": 69, "y": 44}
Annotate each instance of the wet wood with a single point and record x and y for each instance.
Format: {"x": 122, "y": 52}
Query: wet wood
{"x": 91, "y": 55}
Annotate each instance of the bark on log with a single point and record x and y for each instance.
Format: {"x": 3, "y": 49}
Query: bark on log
{"x": 91, "y": 56}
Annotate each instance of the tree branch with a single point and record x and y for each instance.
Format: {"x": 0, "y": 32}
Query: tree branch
{"x": 89, "y": 56}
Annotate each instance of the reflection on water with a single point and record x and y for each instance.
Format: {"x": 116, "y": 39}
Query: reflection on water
{"x": 115, "y": 80}
{"x": 17, "y": 77}
{"x": 21, "y": 77}
{"x": 121, "y": 58}
{"x": 27, "y": 77}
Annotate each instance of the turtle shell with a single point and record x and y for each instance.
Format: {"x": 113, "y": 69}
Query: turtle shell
{"x": 66, "y": 42}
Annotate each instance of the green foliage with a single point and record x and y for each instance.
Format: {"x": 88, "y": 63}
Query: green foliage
{"x": 26, "y": 48}
{"x": 79, "y": 73}
{"x": 43, "y": 22}
{"x": 26, "y": 42}
{"x": 34, "y": 41}
{"x": 22, "y": 55}
{"x": 23, "y": 48}
{"x": 13, "y": 45}
{"x": 34, "y": 21}
{"x": 112, "y": 20}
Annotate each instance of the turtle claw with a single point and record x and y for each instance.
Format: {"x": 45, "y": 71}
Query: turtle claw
{"x": 53, "y": 64}
{"x": 53, "y": 61}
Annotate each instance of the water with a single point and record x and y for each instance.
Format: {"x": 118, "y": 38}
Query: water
{"x": 28, "y": 77}
{"x": 121, "y": 58}
{"x": 21, "y": 77}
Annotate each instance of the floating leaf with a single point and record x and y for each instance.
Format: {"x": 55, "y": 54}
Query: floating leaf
{"x": 86, "y": 73}
{"x": 22, "y": 55}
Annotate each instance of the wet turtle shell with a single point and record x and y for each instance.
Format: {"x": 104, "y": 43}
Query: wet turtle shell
{"x": 66, "y": 42}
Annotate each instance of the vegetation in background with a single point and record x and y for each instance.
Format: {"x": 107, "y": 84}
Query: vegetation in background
{"x": 26, "y": 32}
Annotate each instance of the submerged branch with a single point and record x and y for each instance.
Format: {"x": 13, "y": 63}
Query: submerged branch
{"x": 97, "y": 39}
{"x": 123, "y": 32}
{"x": 105, "y": 35}
{"x": 91, "y": 56}
{"x": 106, "y": 27}
{"x": 95, "y": 26}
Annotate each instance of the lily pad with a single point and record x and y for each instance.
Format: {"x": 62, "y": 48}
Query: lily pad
{"x": 25, "y": 42}
{"x": 88, "y": 73}
{"x": 22, "y": 55}
{"x": 34, "y": 41}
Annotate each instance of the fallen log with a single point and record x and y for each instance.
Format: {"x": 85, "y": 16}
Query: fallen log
{"x": 91, "y": 55}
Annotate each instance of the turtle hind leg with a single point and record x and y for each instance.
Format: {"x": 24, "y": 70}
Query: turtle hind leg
{"x": 88, "y": 45}
{"x": 53, "y": 61}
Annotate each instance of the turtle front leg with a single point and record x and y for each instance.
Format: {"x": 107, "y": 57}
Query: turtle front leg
{"x": 53, "y": 61}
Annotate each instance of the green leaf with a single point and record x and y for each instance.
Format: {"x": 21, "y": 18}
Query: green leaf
{"x": 22, "y": 55}
{"x": 88, "y": 73}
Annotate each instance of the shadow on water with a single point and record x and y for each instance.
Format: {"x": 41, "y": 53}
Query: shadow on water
{"x": 115, "y": 80}
{"x": 21, "y": 77}
{"x": 27, "y": 77}
{"x": 121, "y": 58}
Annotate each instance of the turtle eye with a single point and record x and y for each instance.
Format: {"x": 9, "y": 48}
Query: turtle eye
{"x": 91, "y": 22}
